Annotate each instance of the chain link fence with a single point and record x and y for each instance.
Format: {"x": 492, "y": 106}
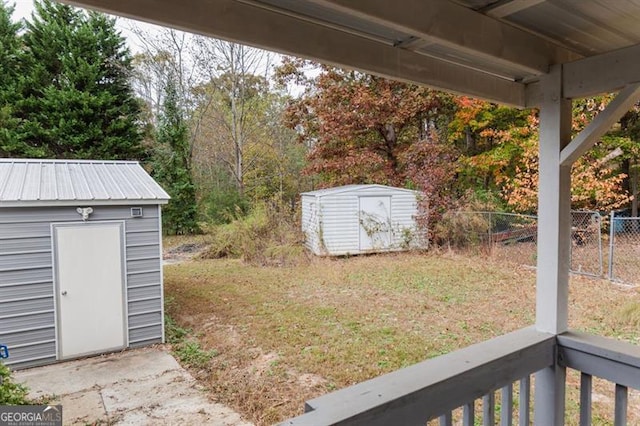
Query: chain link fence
{"x": 624, "y": 249}
{"x": 505, "y": 236}
{"x": 513, "y": 237}
{"x": 586, "y": 243}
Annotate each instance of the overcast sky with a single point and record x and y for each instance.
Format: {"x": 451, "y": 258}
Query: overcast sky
{"x": 23, "y": 8}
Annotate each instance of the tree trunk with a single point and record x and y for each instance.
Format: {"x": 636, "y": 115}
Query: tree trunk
{"x": 470, "y": 141}
{"x": 391, "y": 140}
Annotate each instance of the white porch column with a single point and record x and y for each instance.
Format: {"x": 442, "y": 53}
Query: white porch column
{"x": 554, "y": 239}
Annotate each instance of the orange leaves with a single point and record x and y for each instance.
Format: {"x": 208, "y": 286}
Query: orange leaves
{"x": 595, "y": 185}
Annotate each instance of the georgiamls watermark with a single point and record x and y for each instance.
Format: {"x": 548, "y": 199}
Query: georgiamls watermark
{"x": 30, "y": 415}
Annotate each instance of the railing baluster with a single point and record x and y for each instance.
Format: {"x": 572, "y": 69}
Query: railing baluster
{"x": 506, "y": 405}
{"x": 469, "y": 414}
{"x": 488, "y": 410}
{"x": 446, "y": 419}
{"x": 585, "y": 399}
{"x": 525, "y": 400}
{"x": 620, "y": 418}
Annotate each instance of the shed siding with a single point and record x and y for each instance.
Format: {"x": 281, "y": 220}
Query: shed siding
{"x": 404, "y": 209}
{"x": 310, "y": 225}
{"x": 27, "y": 307}
{"x": 339, "y": 216}
{"x": 340, "y": 223}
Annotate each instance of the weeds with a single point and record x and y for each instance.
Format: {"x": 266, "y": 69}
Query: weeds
{"x": 11, "y": 393}
{"x": 173, "y": 332}
{"x": 186, "y": 346}
{"x": 268, "y": 235}
{"x": 630, "y": 314}
{"x": 191, "y": 354}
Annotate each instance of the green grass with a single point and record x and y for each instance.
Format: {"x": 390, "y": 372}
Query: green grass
{"x": 336, "y": 322}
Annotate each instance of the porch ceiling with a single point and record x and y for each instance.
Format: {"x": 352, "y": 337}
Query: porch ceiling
{"x": 492, "y": 49}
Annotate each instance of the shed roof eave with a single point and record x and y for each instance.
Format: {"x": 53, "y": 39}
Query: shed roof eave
{"x": 76, "y": 203}
{"x": 355, "y": 188}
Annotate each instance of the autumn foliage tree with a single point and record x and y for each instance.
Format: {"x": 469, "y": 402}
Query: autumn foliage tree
{"x": 596, "y": 181}
{"x": 488, "y": 137}
{"x": 365, "y": 129}
{"x": 499, "y": 148}
{"x": 359, "y": 126}
{"x": 431, "y": 167}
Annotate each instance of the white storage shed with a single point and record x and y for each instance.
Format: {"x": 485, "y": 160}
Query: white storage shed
{"x": 357, "y": 219}
{"x": 80, "y": 259}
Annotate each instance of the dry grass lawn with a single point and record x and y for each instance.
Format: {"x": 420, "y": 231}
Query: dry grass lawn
{"x": 285, "y": 335}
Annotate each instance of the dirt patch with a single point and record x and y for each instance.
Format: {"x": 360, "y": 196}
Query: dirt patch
{"x": 263, "y": 363}
{"x": 311, "y": 381}
{"x": 182, "y": 253}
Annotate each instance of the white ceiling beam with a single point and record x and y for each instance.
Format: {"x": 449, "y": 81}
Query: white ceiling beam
{"x": 243, "y": 23}
{"x": 533, "y": 95}
{"x": 460, "y": 29}
{"x": 509, "y": 7}
{"x": 600, "y": 125}
{"x": 605, "y": 73}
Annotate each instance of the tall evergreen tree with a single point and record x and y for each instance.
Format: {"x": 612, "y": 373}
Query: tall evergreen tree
{"x": 172, "y": 166}
{"x": 77, "y": 102}
{"x": 10, "y": 76}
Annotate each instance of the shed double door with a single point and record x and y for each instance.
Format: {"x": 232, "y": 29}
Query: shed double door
{"x": 90, "y": 288}
{"x": 375, "y": 223}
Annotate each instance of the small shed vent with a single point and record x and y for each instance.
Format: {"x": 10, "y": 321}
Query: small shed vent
{"x": 136, "y": 211}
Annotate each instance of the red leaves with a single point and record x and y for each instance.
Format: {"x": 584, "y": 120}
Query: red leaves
{"x": 359, "y": 125}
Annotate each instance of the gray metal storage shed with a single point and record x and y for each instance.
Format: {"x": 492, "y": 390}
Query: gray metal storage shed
{"x": 357, "y": 219}
{"x": 80, "y": 259}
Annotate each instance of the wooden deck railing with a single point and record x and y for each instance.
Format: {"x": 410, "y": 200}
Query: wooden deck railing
{"x": 434, "y": 388}
{"x": 448, "y": 387}
{"x": 609, "y": 359}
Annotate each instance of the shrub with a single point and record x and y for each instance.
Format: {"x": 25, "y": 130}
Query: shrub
{"x": 460, "y": 229}
{"x": 11, "y": 393}
{"x": 268, "y": 235}
{"x": 464, "y": 226}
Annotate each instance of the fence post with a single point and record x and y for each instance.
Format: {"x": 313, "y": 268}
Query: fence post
{"x": 490, "y": 232}
{"x": 611, "y": 237}
{"x": 598, "y": 217}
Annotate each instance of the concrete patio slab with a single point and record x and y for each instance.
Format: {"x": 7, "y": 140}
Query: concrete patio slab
{"x": 136, "y": 387}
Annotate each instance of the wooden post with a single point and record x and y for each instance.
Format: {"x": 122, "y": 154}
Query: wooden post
{"x": 554, "y": 239}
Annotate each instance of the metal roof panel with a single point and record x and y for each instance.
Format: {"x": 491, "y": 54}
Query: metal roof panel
{"x": 31, "y": 187}
{"x": 13, "y": 188}
{"x": 589, "y": 27}
{"x": 28, "y": 182}
{"x": 48, "y": 188}
{"x": 63, "y": 182}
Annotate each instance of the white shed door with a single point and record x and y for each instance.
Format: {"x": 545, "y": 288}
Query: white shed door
{"x": 90, "y": 288}
{"x": 375, "y": 223}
